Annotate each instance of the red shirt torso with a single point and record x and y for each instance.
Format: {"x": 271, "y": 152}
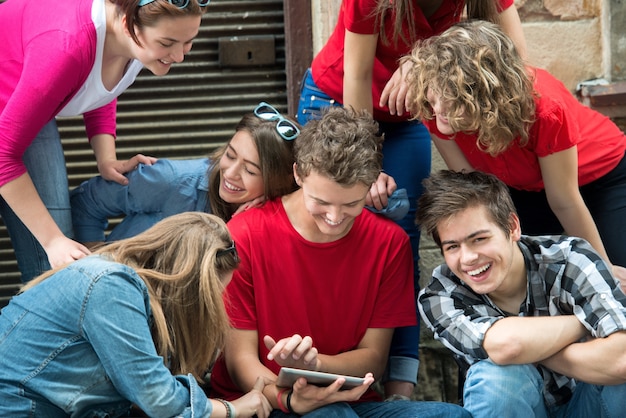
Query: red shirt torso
{"x": 358, "y": 16}
{"x": 332, "y": 291}
{"x": 561, "y": 123}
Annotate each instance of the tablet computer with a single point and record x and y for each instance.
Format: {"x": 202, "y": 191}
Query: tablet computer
{"x": 287, "y": 377}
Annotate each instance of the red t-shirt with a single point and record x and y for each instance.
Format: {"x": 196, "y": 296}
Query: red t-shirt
{"x": 358, "y": 16}
{"x": 561, "y": 123}
{"x": 332, "y": 291}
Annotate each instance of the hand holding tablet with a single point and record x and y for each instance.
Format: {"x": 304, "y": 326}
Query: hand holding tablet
{"x": 287, "y": 377}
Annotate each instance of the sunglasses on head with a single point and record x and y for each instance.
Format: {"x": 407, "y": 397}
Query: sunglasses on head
{"x": 285, "y": 128}
{"x": 229, "y": 250}
{"x": 181, "y": 4}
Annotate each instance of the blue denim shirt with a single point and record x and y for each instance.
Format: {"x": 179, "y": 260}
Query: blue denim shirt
{"x": 79, "y": 344}
{"x": 154, "y": 192}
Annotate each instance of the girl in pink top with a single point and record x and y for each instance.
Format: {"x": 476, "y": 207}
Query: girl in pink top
{"x": 487, "y": 110}
{"x": 63, "y": 58}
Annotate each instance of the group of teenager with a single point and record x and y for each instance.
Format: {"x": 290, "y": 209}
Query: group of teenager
{"x": 295, "y": 244}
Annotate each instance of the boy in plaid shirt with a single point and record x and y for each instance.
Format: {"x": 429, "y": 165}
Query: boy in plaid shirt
{"x": 540, "y": 321}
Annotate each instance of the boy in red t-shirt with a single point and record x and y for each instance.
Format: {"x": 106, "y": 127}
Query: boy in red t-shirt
{"x": 322, "y": 284}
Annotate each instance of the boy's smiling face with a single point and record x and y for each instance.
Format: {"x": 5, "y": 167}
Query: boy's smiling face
{"x": 332, "y": 206}
{"x": 479, "y": 252}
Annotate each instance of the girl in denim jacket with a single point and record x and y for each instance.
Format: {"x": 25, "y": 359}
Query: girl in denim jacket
{"x": 138, "y": 322}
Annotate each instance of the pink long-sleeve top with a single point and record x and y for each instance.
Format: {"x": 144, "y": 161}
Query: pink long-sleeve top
{"x": 48, "y": 50}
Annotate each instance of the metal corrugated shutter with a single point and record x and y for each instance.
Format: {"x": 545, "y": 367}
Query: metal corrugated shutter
{"x": 186, "y": 113}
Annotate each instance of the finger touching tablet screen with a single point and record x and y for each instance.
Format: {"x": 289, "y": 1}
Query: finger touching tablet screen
{"x": 287, "y": 377}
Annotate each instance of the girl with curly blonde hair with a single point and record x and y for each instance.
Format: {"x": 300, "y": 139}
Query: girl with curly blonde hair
{"x": 489, "y": 111}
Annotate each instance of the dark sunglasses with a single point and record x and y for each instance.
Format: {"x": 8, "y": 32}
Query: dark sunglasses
{"x": 229, "y": 250}
{"x": 181, "y": 4}
{"x": 285, "y": 128}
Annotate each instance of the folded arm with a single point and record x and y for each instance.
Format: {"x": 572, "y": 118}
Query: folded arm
{"x": 523, "y": 340}
{"x": 600, "y": 361}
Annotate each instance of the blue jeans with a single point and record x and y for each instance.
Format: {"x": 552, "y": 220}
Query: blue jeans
{"x": 517, "y": 391}
{"x": 153, "y": 193}
{"x": 45, "y": 162}
{"x": 406, "y": 157}
{"x": 395, "y": 409}
{"x": 606, "y": 200}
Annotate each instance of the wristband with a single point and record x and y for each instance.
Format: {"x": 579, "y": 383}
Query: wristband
{"x": 289, "y": 407}
{"x": 279, "y": 401}
{"x": 230, "y": 409}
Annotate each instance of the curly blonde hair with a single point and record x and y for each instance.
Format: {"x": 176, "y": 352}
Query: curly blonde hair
{"x": 481, "y": 78}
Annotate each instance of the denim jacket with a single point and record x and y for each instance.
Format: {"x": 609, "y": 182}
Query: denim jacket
{"x": 154, "y": 192}
{"x": 79, "y": 344}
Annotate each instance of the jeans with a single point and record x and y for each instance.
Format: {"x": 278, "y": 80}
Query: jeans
{"x": 606, "y": 200}
{"x": 45, "y": 163}
{"x": 517, "y": 391}
{"x": 406, "y": 157}
{"x": 153, "y": 193}
{"x": 395, "y": 409}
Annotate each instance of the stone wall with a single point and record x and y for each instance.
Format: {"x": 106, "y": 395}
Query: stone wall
{"x": 564, "y": 37}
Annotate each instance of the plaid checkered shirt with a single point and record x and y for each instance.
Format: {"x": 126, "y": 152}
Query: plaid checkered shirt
{"x": 565, "y": 277}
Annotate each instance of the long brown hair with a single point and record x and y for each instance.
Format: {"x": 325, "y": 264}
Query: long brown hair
{"x": 401, "y": 11}
{"x": 183, "y": 262}
{"x": 275, "y": 157}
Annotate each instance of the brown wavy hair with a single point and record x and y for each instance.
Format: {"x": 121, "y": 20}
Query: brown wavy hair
{"x": 275, "y": 157}
{"x": 447, "y": 193}
{"x": 343, "y": 145}
{"x": 482, "y": 80}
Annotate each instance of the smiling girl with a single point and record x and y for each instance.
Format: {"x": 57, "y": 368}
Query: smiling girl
{"x": 255, "y": 164}
{"x": 66, "y": 58}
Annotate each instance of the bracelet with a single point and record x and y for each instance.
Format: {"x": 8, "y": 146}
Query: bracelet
{"x": 230, "y": 408}
{"x": 279, "y": 401}
{"x": 289, "y": 407}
